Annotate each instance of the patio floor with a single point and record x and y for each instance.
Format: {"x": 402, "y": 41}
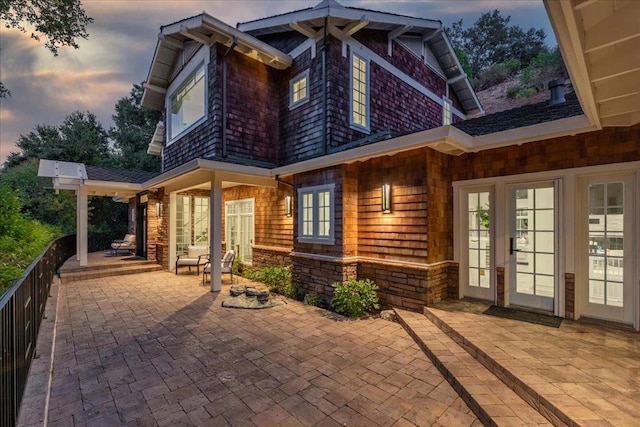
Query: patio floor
{"x": 158, "y": 349}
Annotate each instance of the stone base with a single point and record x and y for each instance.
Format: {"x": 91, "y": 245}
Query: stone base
{"x": 254, "y": 296}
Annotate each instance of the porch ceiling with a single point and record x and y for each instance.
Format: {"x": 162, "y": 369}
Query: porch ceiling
{"x": 599, "y": 41}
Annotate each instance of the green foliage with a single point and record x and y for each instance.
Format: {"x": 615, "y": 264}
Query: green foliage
{"x": 21, "y": 239}
{"x": 134, "y": 128}
{"x": 512, "y": 91}
{"x": 278, "y": 279}
{"x": 312, "y": 299}
{"x": 355, "y": 297}
{"x": 492, "y": 40}
{"x": 238, "y": 266}
{"x": 527, "y": 92}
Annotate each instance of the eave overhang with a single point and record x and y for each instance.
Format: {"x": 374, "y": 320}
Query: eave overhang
{"x": 599, "y": 43}
{"x": 207, "y": 30}
{"x": 349, "y": 20}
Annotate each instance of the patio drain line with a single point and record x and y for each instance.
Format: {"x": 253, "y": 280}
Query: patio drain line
{"x": 53, "y": 350}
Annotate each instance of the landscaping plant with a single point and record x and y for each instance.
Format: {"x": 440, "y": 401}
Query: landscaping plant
{"x": 354, "y": 297}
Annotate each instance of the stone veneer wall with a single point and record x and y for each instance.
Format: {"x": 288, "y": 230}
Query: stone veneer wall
{"x": 317, "y": 275}
{"x": 269, "y": 256}
{"x": 569, "y": 295}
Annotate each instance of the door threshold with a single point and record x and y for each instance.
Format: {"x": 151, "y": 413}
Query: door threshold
{"x": 532, "y": 310}
{"x": 612, "y": 324}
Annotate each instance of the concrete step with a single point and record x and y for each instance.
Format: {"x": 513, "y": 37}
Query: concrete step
{"x": 491, "y": 400}
{"x": 146, "y": 267}
{"x": 113, "y": 263}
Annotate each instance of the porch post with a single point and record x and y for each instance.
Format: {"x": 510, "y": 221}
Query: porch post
{"x": 82, "y": 233}
{"x": 216, "y": 234}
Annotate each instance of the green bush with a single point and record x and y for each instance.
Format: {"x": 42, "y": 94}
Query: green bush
{"x": 526, "y": 92}
{"x": 21, "y": 239}
{"x": 278, "y": 279}
{"x": 355, "y": 297}
{"x": 512, "y": 92}
{"x": 312, "y": 299}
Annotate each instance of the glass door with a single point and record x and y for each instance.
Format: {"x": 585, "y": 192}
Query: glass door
{"x": 605, "y": 249}
{"x": 477, "y": 271}
{"x": 239, "y": 224}
{"x": 533, "y": 245}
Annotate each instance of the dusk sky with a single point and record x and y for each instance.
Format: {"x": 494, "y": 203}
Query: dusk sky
{"x": 118, "y": 53}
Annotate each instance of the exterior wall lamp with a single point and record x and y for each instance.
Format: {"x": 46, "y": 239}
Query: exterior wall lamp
{"x": 288, "y": 206}
{"x": 158, "y": 209}
{"x": 386, "y": 198}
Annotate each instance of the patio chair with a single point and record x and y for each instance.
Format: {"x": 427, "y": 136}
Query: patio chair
{"x": 126, "y": 244}
{"x": 195, "y": 257}
{"x": 226, "y": 263}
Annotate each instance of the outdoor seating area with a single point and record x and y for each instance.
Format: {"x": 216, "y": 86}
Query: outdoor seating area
{"x": 226, "y": 266}
{"x": 196, "y": 256}
{"x": 127, "y": 245}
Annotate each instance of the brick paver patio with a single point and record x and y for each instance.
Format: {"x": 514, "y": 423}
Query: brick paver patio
{"x": 158, "y": 349}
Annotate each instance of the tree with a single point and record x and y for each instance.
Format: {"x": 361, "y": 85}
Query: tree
{"x": 80, "y": 138}
{"x": 134, "y": 127}
{"x": 60, "y": 22}
{"x": 492, "y": 40}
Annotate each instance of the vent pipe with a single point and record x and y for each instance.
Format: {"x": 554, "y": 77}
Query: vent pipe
{"x": 557, "y": 92}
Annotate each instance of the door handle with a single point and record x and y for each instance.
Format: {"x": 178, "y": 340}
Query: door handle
{"x": 511, "y": 248}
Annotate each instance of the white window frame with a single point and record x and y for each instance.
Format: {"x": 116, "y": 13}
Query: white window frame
{"x": 447, "y": 111}
{"x": 201, "y": 58}
{"x": 305, "y": 98}
{"x": 367, "y": 114}
{"x": 315, "y": 237}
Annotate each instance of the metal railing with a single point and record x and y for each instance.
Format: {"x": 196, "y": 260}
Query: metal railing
{"x": 21, "y": 312}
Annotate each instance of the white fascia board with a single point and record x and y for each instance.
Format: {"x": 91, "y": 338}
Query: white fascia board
{"x": 466, "y": 79}
{"x": 568, "y": 33}
{"x": 539, "y": 132}
{"x": 145, "y": 101}
{"x": 340, "y": 13}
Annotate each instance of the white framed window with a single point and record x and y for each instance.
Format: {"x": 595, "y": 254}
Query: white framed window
{"x": 299, "y": 89}
{"x": 446, "y": 111}
{"x": 200, "y": 220}
{"x": 240, "y": 228}
{"x": 187, "y": 101}
{"x": 359, "y": 117}
{"x": 316, "y": 214}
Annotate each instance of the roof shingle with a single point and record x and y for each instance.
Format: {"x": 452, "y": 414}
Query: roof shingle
{"x": 118, "y": 175}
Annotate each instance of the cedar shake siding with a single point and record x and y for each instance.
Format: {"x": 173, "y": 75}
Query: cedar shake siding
{"x": 606, "y": 146}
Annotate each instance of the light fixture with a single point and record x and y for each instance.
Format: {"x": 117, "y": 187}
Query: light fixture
{"x": 288, "y": 206}
{"x": 386, "y": 198}
{"x": 158, "y": 209}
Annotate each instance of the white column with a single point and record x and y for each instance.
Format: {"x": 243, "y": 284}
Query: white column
{"x": 216, "y": 234}
{"x": 78, "y": 224}
{"x": 172, "y": 230}
{"x": 82, "y": 229}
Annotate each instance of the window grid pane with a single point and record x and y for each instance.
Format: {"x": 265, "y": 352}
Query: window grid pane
{"x": 359, "y": 93}
{"x": 299, "y": 90}
{"x": 307, "y": 214}
{"x": 324, "y": 214}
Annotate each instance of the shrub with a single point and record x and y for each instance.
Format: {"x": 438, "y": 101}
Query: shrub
{"x": 278, "y": 279}
{"x": 512, "y": 92}
{"x": 354, "y": 297}
{"x": 238, "y": 266}
{"x": 526, "y": 92}
{"x": 312, "y": 299}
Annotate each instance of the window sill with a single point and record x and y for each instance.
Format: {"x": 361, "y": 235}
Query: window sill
{"x": 299, "y": 103}
{"x": 316, "y": 240}
{"x": 187, "y": 130}
{"x": 360, "y": 128}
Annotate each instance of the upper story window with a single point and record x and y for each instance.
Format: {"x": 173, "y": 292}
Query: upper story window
{"x": 446, "y": 112}
{"x": 186, "y": 104}
{"x": 299, "y": 89}
{"x": 316, "y": 220}
{"x": 359, "y": 93}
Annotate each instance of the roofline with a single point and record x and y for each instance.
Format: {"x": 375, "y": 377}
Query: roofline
{"x": 337, "y": 12}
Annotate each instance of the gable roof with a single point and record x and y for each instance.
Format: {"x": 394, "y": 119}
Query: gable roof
{"x": 527, "y": 115}
{"x": 207, "y": 30}
{"x": 351, "y": 18}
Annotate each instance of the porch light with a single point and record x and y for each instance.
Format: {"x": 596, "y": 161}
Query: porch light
{"x": 386, "y": 198}
{"x": 288, "y": 206}
{"x": 158, "y": 209}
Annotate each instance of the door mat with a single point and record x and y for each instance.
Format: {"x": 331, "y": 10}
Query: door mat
{"x": 525, "y": 316}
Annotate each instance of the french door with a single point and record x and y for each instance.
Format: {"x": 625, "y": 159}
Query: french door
{"x": 477, "y": 277}
{"x": 239, "y": 224}
{"x": 606, "y": 228}
{"x": 533, "y": 245}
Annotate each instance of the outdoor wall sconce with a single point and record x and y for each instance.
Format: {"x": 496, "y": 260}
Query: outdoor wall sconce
{"x": 288, "y": 208}
{"x": 158, "y": 209}
{"x": 386, "y": 198}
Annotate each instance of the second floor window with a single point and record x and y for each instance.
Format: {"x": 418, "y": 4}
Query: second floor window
{"x": 446, "y": 112}
{"x": 359, "y": 93}
{"x": 299, "y": 89}
{"x": 316, "y": 214}
{"x": 187, "y": 103}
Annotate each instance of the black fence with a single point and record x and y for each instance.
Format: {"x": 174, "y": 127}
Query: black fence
{"x": 21, "y": 312}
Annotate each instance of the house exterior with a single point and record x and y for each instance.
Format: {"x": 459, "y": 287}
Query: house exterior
{"x": 348, "y": 143}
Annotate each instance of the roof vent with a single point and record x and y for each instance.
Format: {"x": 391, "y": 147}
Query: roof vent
{"x": 557, "y": 92}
